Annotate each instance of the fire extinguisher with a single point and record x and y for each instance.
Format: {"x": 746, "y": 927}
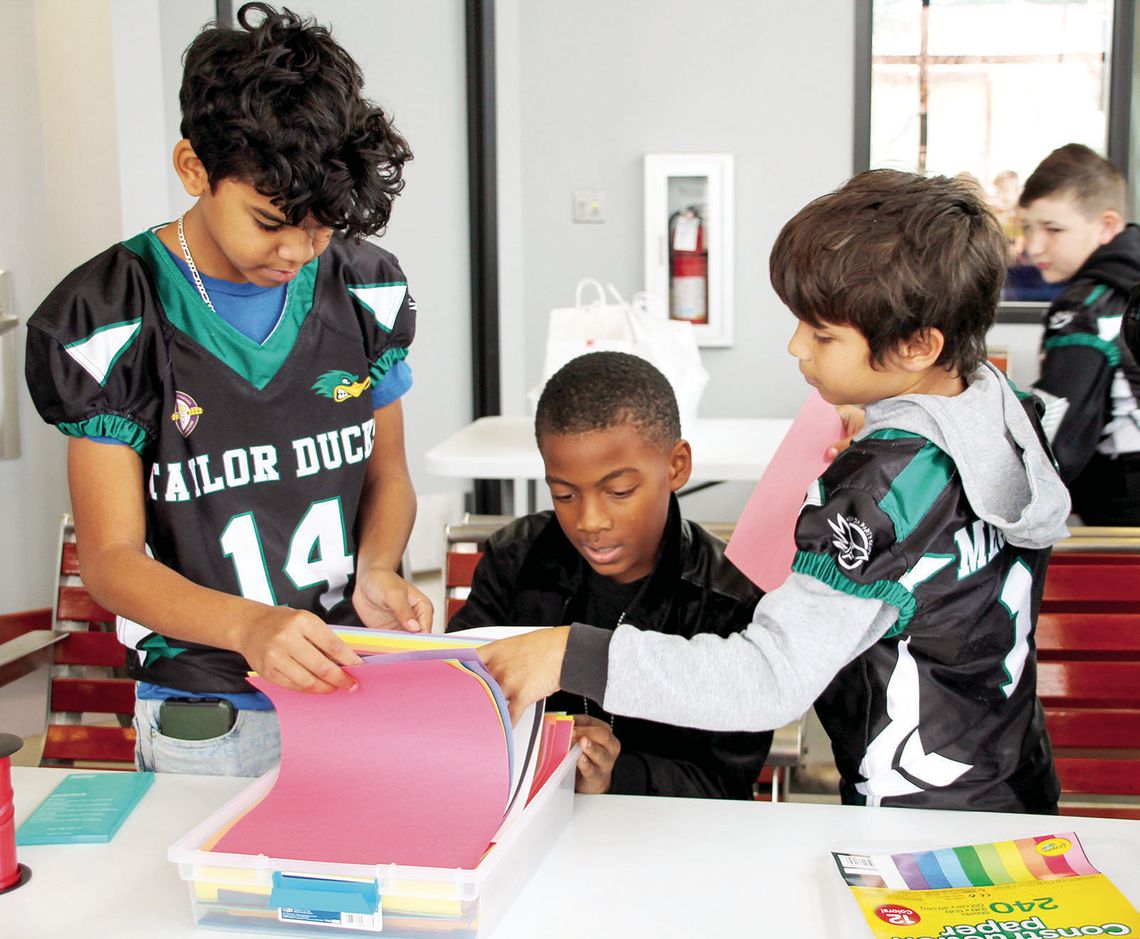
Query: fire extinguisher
{"x": 688, "y": 267}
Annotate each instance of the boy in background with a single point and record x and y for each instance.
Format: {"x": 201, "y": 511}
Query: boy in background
{"x": 909, "y": 614}
{"x": 616, "y": 549}
{"x": 231, "y": 385}
{"x": 1073, "y": 208}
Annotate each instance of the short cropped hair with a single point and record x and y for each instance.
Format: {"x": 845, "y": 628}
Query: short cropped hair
{"x": 603, "y": 390}
{"x": 1093, "y": 182}
{"x": 893, "y": 255}
{"x": 278, "y": 104}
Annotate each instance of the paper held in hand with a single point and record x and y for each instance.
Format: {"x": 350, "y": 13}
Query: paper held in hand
{"x": 763, "y": 542}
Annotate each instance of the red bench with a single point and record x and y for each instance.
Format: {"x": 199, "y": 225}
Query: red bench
{"x": 87, "y": 681}
{"x": 1088, "y": 649}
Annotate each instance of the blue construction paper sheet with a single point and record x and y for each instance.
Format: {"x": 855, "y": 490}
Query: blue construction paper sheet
{"x": 85, "y": 808}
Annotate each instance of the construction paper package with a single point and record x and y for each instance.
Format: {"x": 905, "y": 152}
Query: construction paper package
{"x": 320, "y": 899}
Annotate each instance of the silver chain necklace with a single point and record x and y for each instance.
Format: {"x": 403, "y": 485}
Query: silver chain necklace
{"x": 194, "y": 275}
{"x": 585, "y": 700}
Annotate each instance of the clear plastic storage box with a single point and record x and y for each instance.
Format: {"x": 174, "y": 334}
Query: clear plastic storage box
{"x": 309, "y": 898}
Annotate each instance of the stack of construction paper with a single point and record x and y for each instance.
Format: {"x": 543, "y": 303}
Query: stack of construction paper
{"x": 418, "y": 766}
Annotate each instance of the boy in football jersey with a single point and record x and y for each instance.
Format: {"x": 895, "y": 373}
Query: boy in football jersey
{"x": 616, "y": 549}
{"x": 231, "y": 384}
{"x": 1073, "y": 207}
{"x": 909, "y": 612}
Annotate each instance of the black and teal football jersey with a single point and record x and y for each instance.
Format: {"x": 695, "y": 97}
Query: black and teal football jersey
{"x": 254, "y": 455}
{"x": 942, "y": 711}
{"x": 1090, "y": 379}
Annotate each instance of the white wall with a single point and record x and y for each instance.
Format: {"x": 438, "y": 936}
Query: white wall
{"x": 80, "y": 147}
{"x": 32, "y": 487}
{"x": 81, "y": 166}
{"x": 1022, "y": 341}
{"x": 140, "y": 114}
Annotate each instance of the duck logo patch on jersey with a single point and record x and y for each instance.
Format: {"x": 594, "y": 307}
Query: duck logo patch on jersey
{"x": 187, "y": 413}
{"x": 852, "y": 540}
{"x": 340, "y": 385}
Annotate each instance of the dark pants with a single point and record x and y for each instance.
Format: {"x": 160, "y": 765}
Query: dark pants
{"x": 1108, "y": 491}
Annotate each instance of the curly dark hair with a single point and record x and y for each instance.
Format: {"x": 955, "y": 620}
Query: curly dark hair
{"x": 278, "y": 104}
{"x": 602, "y": 390}
{"x": 894, "y": 254}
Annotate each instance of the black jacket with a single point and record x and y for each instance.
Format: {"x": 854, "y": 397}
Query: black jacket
{"x": 1084, "y": 351}
{"x": 531, "y": 574}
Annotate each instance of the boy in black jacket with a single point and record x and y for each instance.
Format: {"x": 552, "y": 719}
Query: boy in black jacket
{"x": 610, "y": 436}
{"x": 1073, "y": 208}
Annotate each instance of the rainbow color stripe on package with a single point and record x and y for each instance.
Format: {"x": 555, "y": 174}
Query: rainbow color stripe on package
{"x": 1029, "y": 888}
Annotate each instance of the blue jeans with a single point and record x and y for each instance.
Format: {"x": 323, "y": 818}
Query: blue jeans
{"x": 250, "y": 748}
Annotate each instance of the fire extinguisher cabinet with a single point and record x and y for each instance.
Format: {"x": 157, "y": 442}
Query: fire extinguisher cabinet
{"x": 689, "y": 242}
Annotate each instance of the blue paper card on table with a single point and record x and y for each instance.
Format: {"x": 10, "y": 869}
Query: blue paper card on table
{"x": 85, "y": 808}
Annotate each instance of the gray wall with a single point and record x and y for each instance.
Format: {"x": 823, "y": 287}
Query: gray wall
{"x": 604, "y": 83}
{"x": 413, "y": 60}
{"x": 600, "y": 84}
{"x": 179, "y": 23}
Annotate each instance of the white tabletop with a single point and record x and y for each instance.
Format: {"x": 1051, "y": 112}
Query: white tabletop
{"x": 504, "y": 448}
{"x": 626, "y": 866}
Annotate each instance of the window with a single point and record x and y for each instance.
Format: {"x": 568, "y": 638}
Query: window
{"x": 987, "y": 88}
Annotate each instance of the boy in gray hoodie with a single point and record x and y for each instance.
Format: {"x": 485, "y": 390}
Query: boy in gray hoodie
{"x": 909, "y": 615}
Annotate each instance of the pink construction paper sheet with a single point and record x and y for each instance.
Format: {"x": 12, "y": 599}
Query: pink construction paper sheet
{"x": 557, "y": 738}
{"x": 763, "y": 541}
{"x": 523, "y": 740}
{"x": 411, "y": 768}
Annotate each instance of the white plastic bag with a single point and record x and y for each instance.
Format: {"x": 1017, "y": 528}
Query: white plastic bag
{"x": 610, "y": 324}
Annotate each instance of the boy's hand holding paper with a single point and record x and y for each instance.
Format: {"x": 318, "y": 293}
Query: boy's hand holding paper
{"x": 853, "y": 418}
{"x": 297, "y": 650}
{"x": 527, "y": 667}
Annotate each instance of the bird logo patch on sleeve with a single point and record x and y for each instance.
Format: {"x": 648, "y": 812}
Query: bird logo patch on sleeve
{"x": 853, "y": 540}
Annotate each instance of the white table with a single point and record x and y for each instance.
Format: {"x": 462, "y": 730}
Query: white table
{"x": 724, "y": 448}
{"x": 626, "y": 866}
